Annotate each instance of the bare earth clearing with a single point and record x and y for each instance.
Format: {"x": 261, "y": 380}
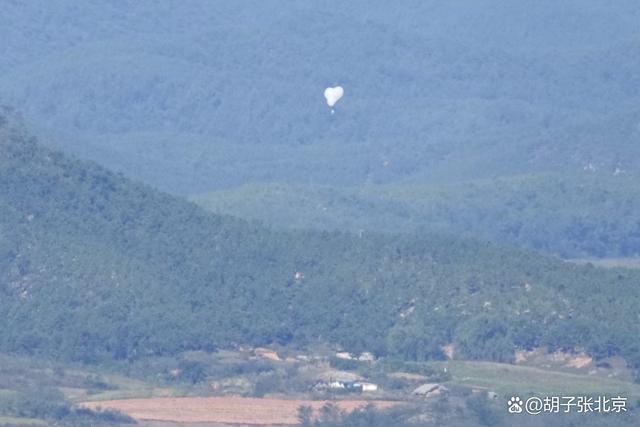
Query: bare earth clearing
{"x": 228, "y": 410}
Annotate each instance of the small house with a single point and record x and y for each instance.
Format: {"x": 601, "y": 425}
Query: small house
{"x": 366, "y": 357}
{"x": 366, "y": 387}
{"x": 344, "y": 355}
{"x": 430, "y": 390}
{"x": 337, "y": 385}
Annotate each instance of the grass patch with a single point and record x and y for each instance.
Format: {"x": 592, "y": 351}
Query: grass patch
{"x": 129, "y": 388}
{"x": 21, "y": 421}
{"x": 134, "y": 394}
{"x": 628, "y": 262}
{"x": 120, "y": 387}
{"x": 6, "y": 393}
{"x": 505, "y": 378}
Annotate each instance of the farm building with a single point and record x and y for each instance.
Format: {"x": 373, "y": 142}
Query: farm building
{"x": 430, "y": 390}
{"x": 344, "y": 355}
{"x": 349, "y": 386}
{"x": 366, "y": 357}
{"x": 366, "y": 387}
{"x": 337, "y": 385}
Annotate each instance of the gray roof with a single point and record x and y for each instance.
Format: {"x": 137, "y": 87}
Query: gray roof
{"x": 426, "y": 388}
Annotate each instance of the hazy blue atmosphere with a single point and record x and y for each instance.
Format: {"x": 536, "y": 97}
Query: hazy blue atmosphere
{"x": 178, "y": 200}
{"x": 194, "y": 96}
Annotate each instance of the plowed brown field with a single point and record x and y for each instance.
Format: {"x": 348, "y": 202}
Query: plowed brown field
{"x": 231, "y": 410}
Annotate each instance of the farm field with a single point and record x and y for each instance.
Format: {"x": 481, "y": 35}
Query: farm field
{"x": 154, "y": 402}
{"x": 226, "y": 410}
{"x": 505, "y": 379}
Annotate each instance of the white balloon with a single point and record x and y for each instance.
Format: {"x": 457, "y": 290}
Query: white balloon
{"x": 333, "y": 95}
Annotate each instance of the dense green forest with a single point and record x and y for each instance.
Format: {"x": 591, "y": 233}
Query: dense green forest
{"x": 535, "y": 100}
{"x": 96, "y": 267}
{"x": 448, "y": 107}
{"x": 583, "y": 215}
{"x": 192, "y": 97}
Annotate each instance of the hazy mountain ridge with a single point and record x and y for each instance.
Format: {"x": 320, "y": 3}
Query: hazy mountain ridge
{"x": 451, "y": 96}
{"x": 582, "y": 215}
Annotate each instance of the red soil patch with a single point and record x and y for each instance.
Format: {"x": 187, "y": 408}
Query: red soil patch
{"x": 231, "y": 410}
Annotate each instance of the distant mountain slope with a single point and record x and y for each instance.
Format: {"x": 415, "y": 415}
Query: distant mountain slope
{"x": 586, "y": 214}
{"x": 227, "y": 93}
{"x": 94, "y": 266}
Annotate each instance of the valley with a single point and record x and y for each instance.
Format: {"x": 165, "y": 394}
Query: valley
{"x": 231, "y": 392}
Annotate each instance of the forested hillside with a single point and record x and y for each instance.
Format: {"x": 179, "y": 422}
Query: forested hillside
{"x": 97, "y": 267}
{"x": 571, "y": 216}
{"x": 196, "y": 96}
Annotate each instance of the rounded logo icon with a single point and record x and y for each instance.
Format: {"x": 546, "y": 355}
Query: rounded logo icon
{"x": 515, "y": 405}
